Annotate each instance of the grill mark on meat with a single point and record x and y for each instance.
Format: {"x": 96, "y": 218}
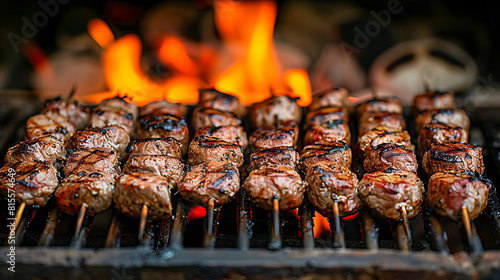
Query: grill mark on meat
{"x": 130, "y": 145}
{"x": 165, "y": 122}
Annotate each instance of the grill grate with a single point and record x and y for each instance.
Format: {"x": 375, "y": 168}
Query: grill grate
{"x": 237, "y": 238}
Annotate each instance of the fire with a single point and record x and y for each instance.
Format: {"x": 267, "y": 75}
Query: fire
{"x": 247, "y": 27}
{"x": 251, "y": 71}
{"x": 321, "y": 225}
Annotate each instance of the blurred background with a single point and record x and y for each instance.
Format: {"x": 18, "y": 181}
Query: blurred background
{"x": 47, "y": 49}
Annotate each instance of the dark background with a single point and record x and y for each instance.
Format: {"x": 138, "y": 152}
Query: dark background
{"x": 474, "y": 26}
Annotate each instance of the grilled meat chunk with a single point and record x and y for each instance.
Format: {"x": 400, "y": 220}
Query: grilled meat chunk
{"x": 390, "y": 156}
{"x": 333, "y": 130}
{"x": 214, "y": 99}
{"x": 69, "y": 108}
{"x": 380, "y": 104}
{"x": 33, "y": 182}
{"x": 454, "y": 117}
{"x": 92, "y": 162}
{"x": 328, "y": 182}
{"x": 433, "y": 101}
{"x": 163, "y": 126}
{"x": 45, "y": 148}
{"x": 90, "y": 180}
{"x": 234, "y": 134}
{"x": 274, "y": 156}
{"x": 448, "y": 193}
{"x": 206, "y": 148}
{"x": 280, "y": 181}
{"x": 332, "y": 97}
{"x": 453, "y": 157}
{"x": 282, "y": 134}
{"x": 384, "y": 193}
{"x": 380, "y": 135}
{"x": 337, "y": 152}
{"x": 208, "y": 117}
{"x": 135, "y": 190}
{"x": 170, "y": 168}
{"x": 113, "y": 137}
{"x": 49, "y": 123}
{"x": 275, "y": 110}
{"x": 155, "y": 146}
{"x": 440, "y": 133}
{"x": 369, "y": 121}
{"x": 163, "y": 107}
{"x": 115, "y": 111}
{"x": 219, "y": 181}
{"x": 326, "y": 114}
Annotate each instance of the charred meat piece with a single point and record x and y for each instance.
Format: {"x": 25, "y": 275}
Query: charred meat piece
{"x": 96, "y": 193}
{"x": 275, "y": 110}
{"x": 369, "y": 121}
{"x": 90, "y": 180}
{"x": 333, "y": 130}
{"x": 332, "y": 97}
{"x": 453, "y": 157}
{"x": 448, "y": 193}
{"x": 32, "y": 182}
{"x": 135, "y": 190}
{"x": 433, "y": 101}
{"x": 115, "y": 111}
{"x": 440, "y": 133}
{"x": 275, "y": 181}
{"x": 282, "y": 134}
{"x": 328, "y": 183}
{"x": 212, "y": 98}
{"x": 337, "y": 152}
{"x": 170, "y": 168}
{"x": 206, "y": 148}
{"x": 274, "y": 156}
{"x": 384, "y": 193}
{"x": 95, "y": 163}
{"x": 454, "y": 117}
{"x": 234, "y": 134}
{"x": 69, "y": 108}
{"x": 390, "y": 156}
{"x": 113, "y": 137}
{"x": 163, "y": 126}
{"x": 45, "y": 148}
{"x": 380, "y": 104}
{"x": 208, "y": 117}
{"x": 219, "y": 181}
{"x": 155, "y": 146}
{"x": 325, "y": 115}
{"x": 49, "y": 123}
{"x": 380, "y": 135}
{"x": 163, "y": 107}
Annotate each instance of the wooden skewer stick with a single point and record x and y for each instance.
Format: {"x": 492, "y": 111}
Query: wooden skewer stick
{"x": 79, "y": 221}
{"x": 338, "y": 236}
{"x": 275, "y": 238}
{"x": 405, "y": 221}
{"x": 142, "y": 221}
{"x": 19, "y": 215}
{"x": 209, "y": 232}
{"x": 466, "y": 221}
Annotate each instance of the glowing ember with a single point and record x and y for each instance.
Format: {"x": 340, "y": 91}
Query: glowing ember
{"x": 196, "y": 212}
{"x": 321, "y": 225}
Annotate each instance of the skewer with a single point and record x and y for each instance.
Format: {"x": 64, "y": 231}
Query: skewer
{"x": 306, "y": 226}
{"x": 405, "y": 222}
{"x": 79, "y": 221}
{"x": 371, "y": 235}
{"x": 467, "y": 225}
{"x": 243, "y": 235}
{"x": 142, "y": 221}
{"x": 176, "y": 239}
{"x": 337, "y": 233}
{"x": 113, "y": 231}
{"x": 49, "y": 230}
{"x": 209, "y": 226}
{"x": 19, "y": 214}
{"x": 275, "y": 233}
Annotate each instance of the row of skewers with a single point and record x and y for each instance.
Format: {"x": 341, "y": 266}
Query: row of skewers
{"x": 89, "y": 145}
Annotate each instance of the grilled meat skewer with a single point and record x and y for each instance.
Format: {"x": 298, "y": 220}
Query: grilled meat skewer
{"x": 390, "y": 156}
{"x": 453, "y": 157}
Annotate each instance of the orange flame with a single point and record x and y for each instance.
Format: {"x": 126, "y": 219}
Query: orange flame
{"x": 121, "y": 63}
{"x": 321, "y": 225}
{"x": 173, "y": 52}
{"x": 247, "y": 29}
{"x": 298, "y": 81}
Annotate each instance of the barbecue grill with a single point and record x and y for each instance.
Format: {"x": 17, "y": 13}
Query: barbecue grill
{"x": 243, "y": 241}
